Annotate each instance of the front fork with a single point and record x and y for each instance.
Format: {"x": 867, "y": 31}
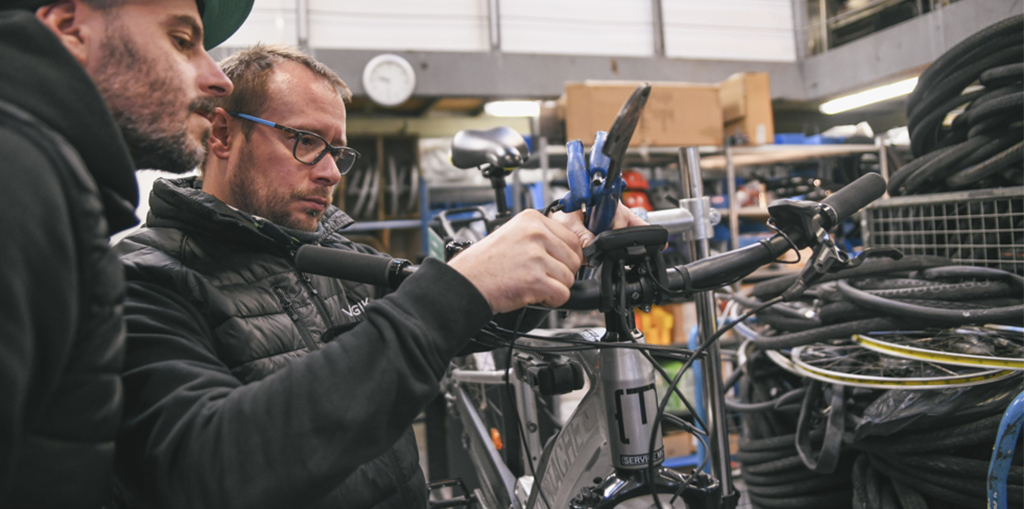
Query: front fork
{"x": 628, "y": 386}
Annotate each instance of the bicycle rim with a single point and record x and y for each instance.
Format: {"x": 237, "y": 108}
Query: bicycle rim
{"x": 855, "y": 366}
{"x": 980, "y": 347}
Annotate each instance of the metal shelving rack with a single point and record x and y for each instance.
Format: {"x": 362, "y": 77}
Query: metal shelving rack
{"x": 732, "y": 158}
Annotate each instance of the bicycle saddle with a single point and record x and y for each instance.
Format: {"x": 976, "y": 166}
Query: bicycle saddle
{"x": 502, "y": 147}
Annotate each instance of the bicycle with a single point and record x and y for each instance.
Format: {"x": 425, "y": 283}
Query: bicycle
{"x": 574, "y": 469}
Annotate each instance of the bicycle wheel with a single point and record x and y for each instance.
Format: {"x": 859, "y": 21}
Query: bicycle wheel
{"x": 850, "y": 364}
{"x": 980, "y": 347}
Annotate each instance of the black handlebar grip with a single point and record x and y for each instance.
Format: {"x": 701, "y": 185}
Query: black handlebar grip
{"x": 347, "y": 265}
{"x": 855, "y": 196}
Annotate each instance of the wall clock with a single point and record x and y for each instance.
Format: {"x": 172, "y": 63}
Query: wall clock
{"x": 389, "y": 79}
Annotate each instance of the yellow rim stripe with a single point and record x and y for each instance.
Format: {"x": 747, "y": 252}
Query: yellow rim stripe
{"x": 909, "y": 352}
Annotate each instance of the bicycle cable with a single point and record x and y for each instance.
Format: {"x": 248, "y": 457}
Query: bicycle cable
{"x": 515, "y": 410}
{"x": 675, "y": 381}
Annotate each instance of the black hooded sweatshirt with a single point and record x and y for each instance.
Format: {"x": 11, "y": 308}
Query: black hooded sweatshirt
{"x": 67, "y": 183}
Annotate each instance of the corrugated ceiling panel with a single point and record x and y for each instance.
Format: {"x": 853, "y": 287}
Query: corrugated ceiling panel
{"x": 435, "y": 25}
{"x": 594, "y": 27}
{"x": 750, "y": 30}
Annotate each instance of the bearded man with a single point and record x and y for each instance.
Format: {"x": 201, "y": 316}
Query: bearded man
{"x": 90, "y": 90}
{"x": 252, "y": 385}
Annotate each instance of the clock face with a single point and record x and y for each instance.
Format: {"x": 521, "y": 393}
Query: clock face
{"x": 389, "y": 80}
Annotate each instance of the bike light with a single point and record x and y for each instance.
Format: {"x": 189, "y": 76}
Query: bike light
{"x": 878, "y": 94}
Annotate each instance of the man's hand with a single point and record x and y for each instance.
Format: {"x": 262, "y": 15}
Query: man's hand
{"x": 529, "y": 260}
{"x": 574, "y": 222}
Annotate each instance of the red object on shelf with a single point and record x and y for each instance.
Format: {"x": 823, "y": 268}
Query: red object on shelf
{"x": 637, "y": 199}
{"x": 635, "y": 181}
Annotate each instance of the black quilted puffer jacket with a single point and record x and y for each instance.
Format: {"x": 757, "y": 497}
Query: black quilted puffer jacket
{"x": 249, "y": 384}
{"x": 66, "y": 182}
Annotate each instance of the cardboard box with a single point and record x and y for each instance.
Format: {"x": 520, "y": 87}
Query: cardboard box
{"x": 747, "y": 107}
{"x": 679, "y": 444}
{"x": 676, "y": 114}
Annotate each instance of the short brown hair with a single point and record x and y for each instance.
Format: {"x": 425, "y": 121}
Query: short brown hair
{"x": 249, "y": 69}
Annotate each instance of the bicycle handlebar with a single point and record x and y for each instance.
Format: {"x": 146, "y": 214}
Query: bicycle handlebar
{"x": 720, "y": 270}
{"x": 707, "y": 274}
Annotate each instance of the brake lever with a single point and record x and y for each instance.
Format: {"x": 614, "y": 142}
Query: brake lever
{"x": 828, "y": 258}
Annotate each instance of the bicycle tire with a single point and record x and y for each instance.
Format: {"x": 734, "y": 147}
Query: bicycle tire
{"x": 766, "y": 290}
{"x": 779, "y": 322}
{"x": 946, "y": 291}
{"x": 973, "y": 433}
{"x": 787, "y": 476}
{"x": 771, "y": 443}
{"x": 923, "y": 486}
{"x": 976, "y": 488}
{"x": 937, "y": 168}
{"x": 998, "y": 75}
{"x": 996, "y": 105}
{"x": 798, "y": 488}
{"x": 993, "y": 165}
{"x": 1010, "y": 314}
{"x": 909, "y": 497}
{"x": 872, "y": 485}
{"x": 859, "y": 479}
{"x": 967, "y": 467}
{"x": 889, "y": 498}
{"x": 836, "y": 500}
{"x": 835, "y": 331}
{"x": 786, "y": 463}
{"x": 757, "y": 458}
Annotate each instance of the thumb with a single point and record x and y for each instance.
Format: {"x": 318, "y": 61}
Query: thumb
{"x": 586, "y": 237}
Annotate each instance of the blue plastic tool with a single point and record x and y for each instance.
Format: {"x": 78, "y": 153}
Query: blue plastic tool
{"x": 597, "y": 188}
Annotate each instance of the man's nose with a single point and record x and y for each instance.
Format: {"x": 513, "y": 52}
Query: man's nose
{"x": 211, "y": 80}
{"x": 325, "y": 172}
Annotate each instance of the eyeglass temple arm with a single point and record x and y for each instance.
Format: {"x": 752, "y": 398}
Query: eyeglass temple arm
{"x": 256, "y": 119}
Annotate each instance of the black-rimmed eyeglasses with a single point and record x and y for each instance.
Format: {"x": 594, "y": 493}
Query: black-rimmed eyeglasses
{"x": 310, "y": 147}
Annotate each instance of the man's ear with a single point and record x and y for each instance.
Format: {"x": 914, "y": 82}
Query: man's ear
{"x": 67, "y": 20}
{"x": 220, "y": 134}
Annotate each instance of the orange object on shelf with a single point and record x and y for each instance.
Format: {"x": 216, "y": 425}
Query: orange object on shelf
{"x": 635, "y": 181}
{"x": 637, "y": 199}
{"x": 656, "y": 325}
{"x": 496, "y": 438}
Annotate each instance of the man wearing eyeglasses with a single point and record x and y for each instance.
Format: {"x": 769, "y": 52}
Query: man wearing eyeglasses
{"x": 252, "y": 385}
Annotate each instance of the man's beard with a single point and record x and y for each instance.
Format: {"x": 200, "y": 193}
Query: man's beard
{"x": 147, "y": 105}
{"x": 253, "y": 198}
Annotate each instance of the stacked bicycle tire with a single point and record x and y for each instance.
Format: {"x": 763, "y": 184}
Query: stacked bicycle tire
{"x": 931, "y": 461}
{"x": 984, "y": 145}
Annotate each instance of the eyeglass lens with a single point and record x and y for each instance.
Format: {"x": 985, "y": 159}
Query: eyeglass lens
{"x": 308, "y": 149}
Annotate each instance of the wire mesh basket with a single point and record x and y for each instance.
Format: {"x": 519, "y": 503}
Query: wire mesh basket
{"x": 983, "y": 227}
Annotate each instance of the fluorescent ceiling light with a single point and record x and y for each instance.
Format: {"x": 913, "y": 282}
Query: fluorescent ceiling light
{"x": 513, "y": 108}
{"x": 867, "y": 97}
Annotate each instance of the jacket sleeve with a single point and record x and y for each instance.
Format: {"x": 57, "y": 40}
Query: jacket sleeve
{"x": 38, "y": 287}
{"x": 195, "y": 437}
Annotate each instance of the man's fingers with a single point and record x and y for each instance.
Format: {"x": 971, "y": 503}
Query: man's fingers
{"x": 559, "y": 295}
{"x": 625, "y": 217}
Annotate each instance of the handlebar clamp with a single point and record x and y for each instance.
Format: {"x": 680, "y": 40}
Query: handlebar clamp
{"x": 704, "y": 218}
{"x": 628, "y": 255}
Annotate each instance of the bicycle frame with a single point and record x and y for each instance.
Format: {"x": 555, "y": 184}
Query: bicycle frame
{"x": 621, "y": 398}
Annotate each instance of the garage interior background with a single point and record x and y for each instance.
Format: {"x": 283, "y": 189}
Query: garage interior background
{"x": 467, "y": 54}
